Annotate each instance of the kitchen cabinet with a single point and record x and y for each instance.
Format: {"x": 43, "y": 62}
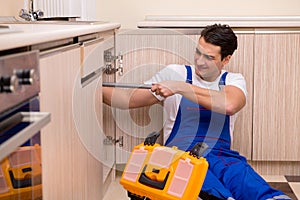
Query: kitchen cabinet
{"x": 59, "y": 139}
{"x": 276, "y": 107}
{"x": 76, "y": 164}
{"x": 145, "y": 52}
{"x": 266, "y": 128}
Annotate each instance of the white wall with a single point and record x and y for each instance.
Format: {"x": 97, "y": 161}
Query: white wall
{"x": 10, "y": 7}
{"x": 128, "y": 13}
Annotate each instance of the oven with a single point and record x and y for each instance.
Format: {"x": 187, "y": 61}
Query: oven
{"x": 20, "y": 125}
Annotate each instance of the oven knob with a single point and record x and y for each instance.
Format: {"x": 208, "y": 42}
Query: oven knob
{"x": 8, "y": 84}
{"x": 25, "y": 76}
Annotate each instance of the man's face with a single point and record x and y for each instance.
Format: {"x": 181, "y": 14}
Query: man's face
{"x": 207, "y": 58}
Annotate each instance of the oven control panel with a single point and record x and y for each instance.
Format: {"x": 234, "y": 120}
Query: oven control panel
{"x": 19, "y": 78}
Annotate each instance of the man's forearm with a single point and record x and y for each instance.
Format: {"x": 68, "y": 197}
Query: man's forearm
{"x": 115, "y": 97}
{"x": 228, "y": 101}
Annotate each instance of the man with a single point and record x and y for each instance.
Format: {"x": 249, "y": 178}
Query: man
{"x": 201, "y": 103}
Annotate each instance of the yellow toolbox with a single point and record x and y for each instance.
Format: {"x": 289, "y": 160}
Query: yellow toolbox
{"x": 21, "y": 174}
{"x": 164, "y": 173}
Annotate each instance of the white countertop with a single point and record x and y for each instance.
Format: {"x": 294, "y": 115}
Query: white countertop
{"x": 29, "y": 34}
{"x": 169, "y": 21}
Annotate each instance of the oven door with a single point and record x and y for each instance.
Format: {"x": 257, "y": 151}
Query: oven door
{"x": 20, "y": 151}
{"x": 20, "y": 128}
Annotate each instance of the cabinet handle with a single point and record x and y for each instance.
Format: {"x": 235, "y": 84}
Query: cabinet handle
{"x": 59, "y": 50}
{"x": 90, "y": 42}
{"x": 91, "y": 76}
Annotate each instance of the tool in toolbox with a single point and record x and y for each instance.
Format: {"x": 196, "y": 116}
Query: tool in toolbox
{"x": 155, "y": 172}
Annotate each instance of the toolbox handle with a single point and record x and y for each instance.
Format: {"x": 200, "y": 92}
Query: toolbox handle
{"x": 152, "y": 183}
{"x": 151, "y": 138}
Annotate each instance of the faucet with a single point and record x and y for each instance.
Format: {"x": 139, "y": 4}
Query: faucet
{"x": 30, "y": 14}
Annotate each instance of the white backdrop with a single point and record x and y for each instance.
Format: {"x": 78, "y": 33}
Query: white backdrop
{"x": 128, "y": 13}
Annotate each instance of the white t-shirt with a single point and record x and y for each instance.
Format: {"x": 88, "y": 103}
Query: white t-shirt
{"x": 179, "y": 73}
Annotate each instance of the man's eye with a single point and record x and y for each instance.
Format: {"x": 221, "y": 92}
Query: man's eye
{"x": 198, "y": 52}
{"x": 208, "y": 57}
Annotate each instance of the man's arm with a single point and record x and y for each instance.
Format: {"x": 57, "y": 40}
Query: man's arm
{"x": 228, "y": 101}
{"x": 128, "y": 98}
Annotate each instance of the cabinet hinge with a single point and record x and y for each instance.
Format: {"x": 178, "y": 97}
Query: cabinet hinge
{"x": 113, "y": 63}
{"x": 109, "y": 140}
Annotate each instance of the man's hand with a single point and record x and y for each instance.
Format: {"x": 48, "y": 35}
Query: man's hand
{"x": 165, "y": 88}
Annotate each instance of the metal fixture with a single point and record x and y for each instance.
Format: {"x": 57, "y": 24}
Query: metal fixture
{"x": 110, "y": 59}
{"x": 109, "y": 140}
{"x": 30, "y": 14}
{"x": 127, "y": 85}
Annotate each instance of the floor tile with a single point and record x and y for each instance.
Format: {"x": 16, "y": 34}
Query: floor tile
{"x": 293, "y": 178}
{"x": 296, "y": 189}
{"x": 291, "y": 188}
{"x": 116, "y": 191}
{"x": 274, "y": 178}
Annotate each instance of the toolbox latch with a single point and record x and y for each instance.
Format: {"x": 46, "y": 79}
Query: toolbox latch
{"x": 199, "y": 149}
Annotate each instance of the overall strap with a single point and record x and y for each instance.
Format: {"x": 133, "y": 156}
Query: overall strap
{"x": 189, "y": 78}
{"x": 222, "y": 80}
{"x": 176, "y": 125}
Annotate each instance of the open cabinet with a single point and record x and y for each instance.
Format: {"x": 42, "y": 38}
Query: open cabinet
{"x": 145, "y": 52}
{"x": 262, "y": 125}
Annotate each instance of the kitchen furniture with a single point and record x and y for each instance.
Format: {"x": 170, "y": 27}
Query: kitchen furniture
{"x": 266, "y": 131}
{"x": 147, "y": 51}
{"x": 74, "y": 158}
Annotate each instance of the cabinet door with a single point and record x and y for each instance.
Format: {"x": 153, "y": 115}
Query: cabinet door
{"x": 92, "y": 65}
{"x": 69, "y": 170}
{"x": 276, "y": 107}
{"x": 145, "y": 52}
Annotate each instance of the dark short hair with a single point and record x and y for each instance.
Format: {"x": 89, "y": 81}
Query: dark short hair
{"x": 222, "y": 36}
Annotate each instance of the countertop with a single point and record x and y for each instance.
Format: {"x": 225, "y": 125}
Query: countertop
{"x": 20, "y": 35}
{"x": 169, "y": 21}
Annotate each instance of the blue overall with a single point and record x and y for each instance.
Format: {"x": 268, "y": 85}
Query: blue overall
{"x": 229, "y": 174}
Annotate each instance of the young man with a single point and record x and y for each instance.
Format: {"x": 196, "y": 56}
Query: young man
{"x": 201, "y": 103}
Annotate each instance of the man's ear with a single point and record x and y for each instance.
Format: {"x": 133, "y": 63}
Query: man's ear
{"x": 226, "y": 60}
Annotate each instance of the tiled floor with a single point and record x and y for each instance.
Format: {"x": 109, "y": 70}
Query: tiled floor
{"x": 288, "y": 184}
